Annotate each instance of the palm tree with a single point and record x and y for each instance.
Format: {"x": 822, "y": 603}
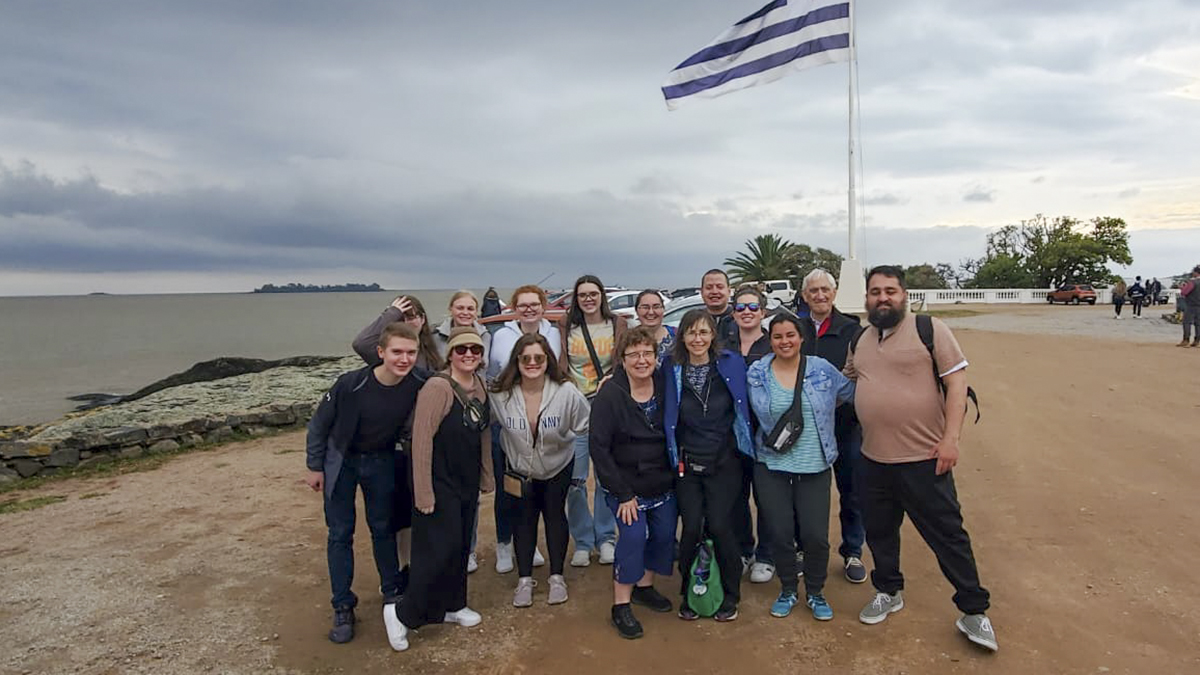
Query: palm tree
{"x": 768, "y": 256}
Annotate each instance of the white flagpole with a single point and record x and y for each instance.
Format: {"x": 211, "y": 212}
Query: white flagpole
{"x": 851, "y": 286}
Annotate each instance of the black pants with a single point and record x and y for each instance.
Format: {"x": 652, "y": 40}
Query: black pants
{"x": 1137, "y": 306}
{"x": 1118, "y": 303}
{"x": 792, "y": 501}
{"x": 892, "y": 490}
{"x": 706, "y": 503}
{"x": 441, "y": 542}
{"x": 744, "y": 523}
{"x": 548, "y": 499}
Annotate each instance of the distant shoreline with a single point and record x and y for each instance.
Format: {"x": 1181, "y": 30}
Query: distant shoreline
{"x": 313, "y": 288}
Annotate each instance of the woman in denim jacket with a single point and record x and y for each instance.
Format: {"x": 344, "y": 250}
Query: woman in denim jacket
{"x": 792, "y": 475}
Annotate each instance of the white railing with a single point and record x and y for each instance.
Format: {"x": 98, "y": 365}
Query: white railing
{"x": 993, "y": 296}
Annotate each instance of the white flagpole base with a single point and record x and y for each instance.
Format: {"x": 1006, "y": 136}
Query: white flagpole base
{"x": 852, "y": 288}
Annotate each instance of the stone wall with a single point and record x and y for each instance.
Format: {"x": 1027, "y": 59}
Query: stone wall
{"x": 184, "y": 416}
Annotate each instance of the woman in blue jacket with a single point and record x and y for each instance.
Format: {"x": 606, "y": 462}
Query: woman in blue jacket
{"x": 794, "y": 458}
{"x": 707, "y": 422}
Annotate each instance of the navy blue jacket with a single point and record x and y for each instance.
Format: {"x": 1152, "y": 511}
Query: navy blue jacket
{"x": 731, "y": 366}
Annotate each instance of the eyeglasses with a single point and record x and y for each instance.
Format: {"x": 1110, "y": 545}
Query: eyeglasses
{"x": 461, "y": 350}
{"x": 650, "y": 308}
{"x": 699, "y": 333}
{"x": 534, "y": 359}
{"x": 641, "y": 356}
{"x": 529, "y": 307}
{"x": 743, "y": 306}
{"x": 589, "y": 296}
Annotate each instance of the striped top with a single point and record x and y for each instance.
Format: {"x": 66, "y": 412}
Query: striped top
{"x": 805, "y": 456}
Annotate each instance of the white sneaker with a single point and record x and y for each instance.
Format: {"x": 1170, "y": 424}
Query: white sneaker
{"x": 504, "y": 558}
{"x": 472, "y": 563}
{"x": 397, "y": 632}
{"x": 761, "y": 572}
{"x": 465, "y": 617}
{"x": 581, "y": 558}
{"x": 538, "y": 560}
{"x": 608, "y": 553}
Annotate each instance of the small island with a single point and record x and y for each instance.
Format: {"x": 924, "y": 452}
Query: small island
{"x": 310, "y": 288}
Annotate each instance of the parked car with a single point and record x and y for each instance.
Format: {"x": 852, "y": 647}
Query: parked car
{"x": 780, "y": 290}
{"x": 1073, "y": 294}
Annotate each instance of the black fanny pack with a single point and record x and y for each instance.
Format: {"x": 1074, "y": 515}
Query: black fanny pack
{"x": 476, "y": 415}
{"x": 791, "y": 424}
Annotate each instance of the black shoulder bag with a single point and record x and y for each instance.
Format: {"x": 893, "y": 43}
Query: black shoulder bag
{"x": 790, "y": 425}
{"x": 476, "y": 414}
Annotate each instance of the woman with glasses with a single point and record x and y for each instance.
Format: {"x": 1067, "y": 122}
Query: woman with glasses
{"x": 707, "y": 423}
{"x": 529, "y": 303}
{"x": 795, "y": 447}
{"x": 629, "y": 448}
{"x": 464, "y": 310}
{"x": 404, "y": 308}
{"x": 749, "y": 307}
{"x": 588, "y": 333}
{"x": 451, "y": 465}
{"x": 540, "y": 415}
{"x": 649, "y": 308}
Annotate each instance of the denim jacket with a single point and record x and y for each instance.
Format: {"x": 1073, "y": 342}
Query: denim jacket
{"x": 732, "y": 368}
{"x": 824, "y": 387}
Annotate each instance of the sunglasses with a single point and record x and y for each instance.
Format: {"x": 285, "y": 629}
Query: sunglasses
{"x": 461, "y": 350}
{"x": 533, "y": 359}
{"x": 743, "y": 306}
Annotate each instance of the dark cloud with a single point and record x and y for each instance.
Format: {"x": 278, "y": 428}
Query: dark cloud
{"x": 884, "y": 199}
{"x": 980, "y": 196}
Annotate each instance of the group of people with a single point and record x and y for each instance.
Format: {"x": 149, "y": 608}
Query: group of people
{"x": 683, "y": 427}
{"x": 1140, "y": 294}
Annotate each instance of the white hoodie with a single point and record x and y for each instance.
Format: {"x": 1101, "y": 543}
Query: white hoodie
{"x": 563, "y": 415}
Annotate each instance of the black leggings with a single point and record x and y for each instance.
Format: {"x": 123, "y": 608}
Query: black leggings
{"x": 547, "y": 498}
{"x": 707, "y": 507}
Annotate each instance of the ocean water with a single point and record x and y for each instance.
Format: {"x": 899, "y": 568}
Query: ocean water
{"x": 54, "y": 347}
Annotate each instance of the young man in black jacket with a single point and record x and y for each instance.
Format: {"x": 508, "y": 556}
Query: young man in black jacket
{"x": 352, "y": 442}
{"x": 828, "y": 334}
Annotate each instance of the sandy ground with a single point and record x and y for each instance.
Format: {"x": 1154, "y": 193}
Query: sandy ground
{"x": 1078, "y": 489}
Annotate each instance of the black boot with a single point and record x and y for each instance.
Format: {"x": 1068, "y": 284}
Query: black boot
{"x": 648, "y": 596}
{"x": 626, "y": 623}
{"x": 343, "y": 625}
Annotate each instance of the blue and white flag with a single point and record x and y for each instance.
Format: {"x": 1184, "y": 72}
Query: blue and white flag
{"x": 784, "y": 36}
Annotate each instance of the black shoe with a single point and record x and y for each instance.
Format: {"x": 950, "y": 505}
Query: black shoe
{"x": 727, "y": 612}
{"x": 686, "y": 612}
{"x": 626, "y": 623}
{"x": 647, "y": 596}
{"x": 343, "y": 625}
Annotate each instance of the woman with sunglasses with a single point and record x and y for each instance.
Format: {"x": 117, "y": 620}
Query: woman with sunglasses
{"x": 588, "y": 333}
{"x": 408, "y": 309}
{"x": 464, "y": 311}
{"x": 529, "y": 304}
{"x": 629, "y": 448}
{"x": 649, "y": 308}
{"x": 796, "y": 446}
{"x": 540, "y": 415}
{"x": 749, "y": 307}
{"x": 451, "y": 465}
{"x": 707, "y": 423}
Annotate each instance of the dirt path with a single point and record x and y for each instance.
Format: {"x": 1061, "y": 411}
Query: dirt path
{"x": 1078, "y": 490}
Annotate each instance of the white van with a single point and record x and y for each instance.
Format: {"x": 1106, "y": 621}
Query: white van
{"x": 780, "y": 290}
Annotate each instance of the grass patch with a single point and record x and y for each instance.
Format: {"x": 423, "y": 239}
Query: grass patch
{"x": 121, "y": 466}
{"x": 286, "y": 452}
{"x": 950, "y": 313}
{"x": 92, "y": 495}
{"x": 220, "y": 465}
{"x": 19, "y": 505}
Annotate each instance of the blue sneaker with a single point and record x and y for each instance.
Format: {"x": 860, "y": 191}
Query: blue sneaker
{"x": 820, "y": 609}
{"x": 783, "y": 605}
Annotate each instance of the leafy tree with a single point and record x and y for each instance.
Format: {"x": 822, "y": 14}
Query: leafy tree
{"x": 924, "y": 276}
{"x": 767, "y": 256}
{"x": 1041, "y": 252}
{"x": 809, "y": 259}
{"x": 1002, "y": 271}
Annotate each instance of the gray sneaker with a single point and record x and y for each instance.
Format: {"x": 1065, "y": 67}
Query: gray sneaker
{"x": 558, "y": 590}
{"x": 978, "y": 629}
{"x": 523, "y": 597}
{"x": 878, "y": 609}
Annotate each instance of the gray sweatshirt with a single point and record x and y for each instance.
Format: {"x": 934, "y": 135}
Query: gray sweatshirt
{"x": 563, "y": 416}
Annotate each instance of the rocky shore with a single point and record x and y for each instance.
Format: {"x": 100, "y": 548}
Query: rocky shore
{"x": 182, "y": 416}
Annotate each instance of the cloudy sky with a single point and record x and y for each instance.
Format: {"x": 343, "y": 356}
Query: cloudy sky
{"x": 181, "y": 146}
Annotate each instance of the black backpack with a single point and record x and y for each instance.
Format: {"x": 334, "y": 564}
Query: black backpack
{"x": 925, "y": 331}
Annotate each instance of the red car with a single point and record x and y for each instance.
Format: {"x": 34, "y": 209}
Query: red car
{"x": 1073, "y": 294}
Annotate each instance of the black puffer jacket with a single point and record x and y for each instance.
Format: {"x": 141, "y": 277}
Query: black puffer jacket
{"x": 628, "y": 450}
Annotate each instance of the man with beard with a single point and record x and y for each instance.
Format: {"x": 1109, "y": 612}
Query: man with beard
{"x": 910, "y": 445}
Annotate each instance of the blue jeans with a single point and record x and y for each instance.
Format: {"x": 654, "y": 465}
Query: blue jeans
{"x": 646, "y": 545}
{"x": 588, "y": 532}
{"x": 376, "y": 473}
{"x": 849, "y": 501}
{"x": 506, "y": 508}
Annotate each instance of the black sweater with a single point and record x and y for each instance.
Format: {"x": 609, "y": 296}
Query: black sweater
{"x": 629, "y": 451}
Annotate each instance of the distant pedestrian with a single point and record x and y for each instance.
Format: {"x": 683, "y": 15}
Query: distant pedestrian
{"x": 491, "y": 303}
{"x": 1137, "y": 295}
{"x": 1118, "y": 297}
{"x": 1189, "y": 292}
{"x": 1155, "y": 292}
{"x": 911, "y": 420}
